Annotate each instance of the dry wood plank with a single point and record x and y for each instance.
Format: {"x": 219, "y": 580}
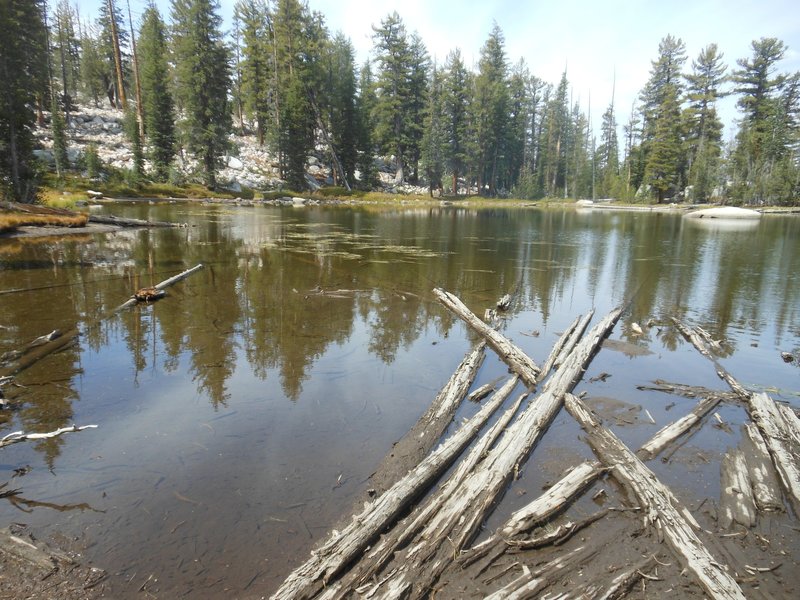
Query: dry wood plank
{"x": 162, "y": 285}
{"x": 458, "y": 519}
{"x": 419, "y": 440}
{"x": 342, "y": 547}
{"x": 736, "y": 503}
{"x": 662, "y": 510}
{"x": 677, "y": 428}
{"x": 509, "y": 352}
{"x": 766, "y": 488}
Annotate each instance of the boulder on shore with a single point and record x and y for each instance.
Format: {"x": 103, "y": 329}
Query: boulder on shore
{"x": 724, "y": 212}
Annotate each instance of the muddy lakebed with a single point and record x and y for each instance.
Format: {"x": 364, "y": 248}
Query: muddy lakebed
{"x": 241, "y": 417}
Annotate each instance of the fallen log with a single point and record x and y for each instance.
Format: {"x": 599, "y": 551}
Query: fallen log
{"x": 677, "y": 428}
{"x": 458, "y": 519}
{"x": 662, "y": 510}
{"x": 736, "y": 502}
{"x": 384, "y": 550}
{"x": 764, "y": 481}
{"x": 689, "y": 391}
{"x": 125, "y": 222}
{"x": 20, "y": 436}
{"x": 33, "y": 353}
{"x": 343, "y": 546}
{"x": 162, "y": 286}
{"x": 531, "y": 583}
{"x": 772, "y": 425}
{"x": 510, "y": 353}
{"x": 617, "y": 587}
{"x": 414, "y": 445}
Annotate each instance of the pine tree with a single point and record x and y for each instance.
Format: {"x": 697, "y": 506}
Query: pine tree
{"x": 663, "y": 159}
{"x": 365, "y": 103}
{"x": 417, "y": 102}
{"x": 456, "y": 101}
{"x": 704, "y": 128}
{"x": 93, "y": 76}
{"x": 393, "y": 91}
{"x": 157, "y": 99}
{"x": 66, "y": 54}
{"x": 342, "y": 104}
{"x": 555, "y": 133}
{"x": 21, "y": 58}
{"x": 255, "y": 64}
{"x": 202, "y": 80}
{"x": 607, "y": 154}
{"x": 490, "y": 111}
{"x": 434, "y": 140}
{"x": 59, "y": 138}
{"x": 131, "y": 126}
{"x": 113, "y": 41}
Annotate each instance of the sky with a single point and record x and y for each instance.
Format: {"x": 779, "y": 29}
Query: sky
{"x": 605, "y": 46}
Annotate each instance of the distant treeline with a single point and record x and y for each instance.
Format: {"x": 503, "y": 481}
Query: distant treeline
{"x": 497, "y": 131}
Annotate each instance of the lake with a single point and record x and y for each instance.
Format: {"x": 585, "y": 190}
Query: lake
{"x": 241, "y": 417}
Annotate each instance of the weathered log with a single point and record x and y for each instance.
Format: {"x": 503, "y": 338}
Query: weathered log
{"x": 662, "y": 510}
{"x": 458, "y": 519}
{"x": 162, "y": 286}
{"x": 124, "y": 222}
{"x": 689, "y": 391}
{"x": 775, "y": 432}
{"x": 382, "y": 552}
{"x": 543, "y": 508}
{"x": 736, "y": 501}
{"x": 672, "y": 431}
{"x": 766, "y": 488}
{"x": 33, "y": 353}
{"x": 342, "y": 547}
{"x": 617, "y": 587}
{"x": 509, "y": 352}
{"x": 20, "y": 436}
{"x": 531, "y": 583}
{"x": 414, "y": 445}
{"x": 572, "y": 339}
{"x": 792, "y": 423}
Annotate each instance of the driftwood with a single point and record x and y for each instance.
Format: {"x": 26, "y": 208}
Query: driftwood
{"x": 458, "y": 519}
{"x": 19, "y": 436}
{"x": 778, "y": 434}
{"x": 736, "y": 503}
{"x": 617, "y": 587}
{"x": 162, "y": 286}
{"x": 672, "y": 431}
{"x": 419, "y": 440}
{"x": 766, "y": 488}
{"x": 342, "y": 547}
{"x": 384, "y": 550}
{"x": 689, "y": 391}
{"x": 531, "y": 583}
{"x": 662, "y": 510}
{"x": 509, "y": 352}
{"x": 123, "y": 222}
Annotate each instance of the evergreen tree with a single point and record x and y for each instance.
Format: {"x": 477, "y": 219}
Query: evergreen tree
{"x": 393, "y": 91}
{"x": 93, "y": 77}
{"x": 203, "y": 78}
{"x": 607, "y": 154}
{"x": 704, "y": 129}
{"x": 255, "y": 63}
{"x": 417, "y": 102}
{"x": 66, "y": 52}
{"x": 490, "y": 111}
{"x": 434, "y": 140}
{"x": 665, "y": 150}
{"x": 555, "y": 134}
{"x": 157, "y": 99}
{"x": 22, "y": 55}
{"x": 365, "y": 103}
{"x": 513, "y": 159}
{"x": 456, "y": 107}
{"x": 113, "y": 41}
{"x": 131, "y": 126}
{"x": 342, "y": 104}
{"x": 59, "y": 138}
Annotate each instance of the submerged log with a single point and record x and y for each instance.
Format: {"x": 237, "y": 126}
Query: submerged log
{"x": 736, "y": 501}
{"x": 124, "y": 222}
{"x": 414, "y": 445}
{"x": 342, "y": 547}
{"x": 662, "y": 510}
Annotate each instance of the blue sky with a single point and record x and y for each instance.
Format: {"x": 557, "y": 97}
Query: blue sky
{"x": 594, "y": 41}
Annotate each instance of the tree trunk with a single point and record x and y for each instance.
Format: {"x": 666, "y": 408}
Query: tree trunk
{"x": 117, "y": 57}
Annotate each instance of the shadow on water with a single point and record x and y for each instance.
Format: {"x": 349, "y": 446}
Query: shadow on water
{"x": 242, "y": 415}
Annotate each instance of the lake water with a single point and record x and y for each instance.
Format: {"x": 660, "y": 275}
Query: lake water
{"x": 241, "y": 417}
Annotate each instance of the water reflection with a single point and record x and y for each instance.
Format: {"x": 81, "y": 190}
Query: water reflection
{"x": 313, "y": 335}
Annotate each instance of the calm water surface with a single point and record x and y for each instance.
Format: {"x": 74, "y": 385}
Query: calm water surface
{"x": 241, "y": 417}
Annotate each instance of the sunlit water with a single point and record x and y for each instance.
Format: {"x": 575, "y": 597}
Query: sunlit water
{"x": 241, "y": 417}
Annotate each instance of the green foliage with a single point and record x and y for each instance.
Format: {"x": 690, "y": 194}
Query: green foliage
{"x": 456, "y": 95}
{"x": 92, "y": 161}
{"x": 202, "y": 81}
{"x": 157, "y": 102}
{"x": 434, "y": 140}
{"x": 257, "y": 72}
{"x": 59, "y": 138}
{"x": 108, "y": 74}
{"x": 131, "y": 127}
{"x": 92, "y": 69}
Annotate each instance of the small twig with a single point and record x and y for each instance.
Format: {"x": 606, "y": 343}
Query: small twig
{"x": 20, "y": 436}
